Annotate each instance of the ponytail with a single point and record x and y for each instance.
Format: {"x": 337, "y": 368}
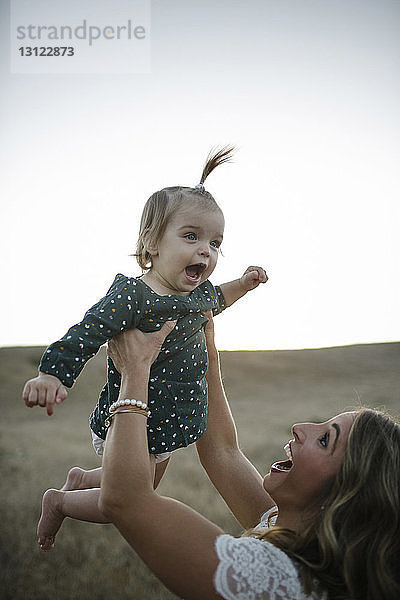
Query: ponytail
{"x": 214, "y": 159}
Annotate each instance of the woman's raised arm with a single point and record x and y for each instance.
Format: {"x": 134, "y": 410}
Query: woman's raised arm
{"x": 176, "y": 543}
{"x": 232, "y": 474}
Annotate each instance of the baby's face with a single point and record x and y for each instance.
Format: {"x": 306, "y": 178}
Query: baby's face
{"x": 187, "y": 253}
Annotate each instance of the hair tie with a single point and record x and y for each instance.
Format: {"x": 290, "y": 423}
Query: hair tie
{"x": 200, "y": 186}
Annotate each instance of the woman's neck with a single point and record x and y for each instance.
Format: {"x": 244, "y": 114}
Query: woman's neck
{"x": 293, "y": 518}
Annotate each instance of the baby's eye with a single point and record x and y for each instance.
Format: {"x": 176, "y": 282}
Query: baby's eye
{"x": 215, "y": 243}
{"x": 191, "y": 236}
{"x": 324, "y": 441}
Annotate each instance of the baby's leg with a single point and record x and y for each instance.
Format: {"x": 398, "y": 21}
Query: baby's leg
{"x": 79, "y": 479}
{"x": 81, "y": 504}
{"x": 58, "y": 504}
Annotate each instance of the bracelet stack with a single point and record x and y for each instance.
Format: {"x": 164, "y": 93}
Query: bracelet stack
{"x": 127, "y": 406}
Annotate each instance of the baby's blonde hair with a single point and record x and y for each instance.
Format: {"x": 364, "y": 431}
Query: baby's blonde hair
{"x": 162, "y": 205}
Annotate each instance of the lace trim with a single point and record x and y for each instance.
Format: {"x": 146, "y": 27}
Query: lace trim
{"x": 252, "y": 569}
{"x": 268, "y": 519}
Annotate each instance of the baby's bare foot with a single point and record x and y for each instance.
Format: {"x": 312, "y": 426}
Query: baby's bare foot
{"x": 74, "y": 479}
{"x": 50, "y": 520}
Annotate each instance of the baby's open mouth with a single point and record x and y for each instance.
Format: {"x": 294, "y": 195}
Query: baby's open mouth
{"x": 194, "y": 272}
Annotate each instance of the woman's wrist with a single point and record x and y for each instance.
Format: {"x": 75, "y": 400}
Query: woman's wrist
{"x": 134, "y": 383}
{"x": 213, "y": 355}
{"x": 137, "y": 369}
{"x": 213, "y": 362}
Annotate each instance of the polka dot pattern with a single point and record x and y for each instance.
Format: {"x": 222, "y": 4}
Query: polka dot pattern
{"x": 177, "y": 386}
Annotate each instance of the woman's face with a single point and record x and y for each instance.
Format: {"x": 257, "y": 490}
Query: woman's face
{"x": 316, "y": 453}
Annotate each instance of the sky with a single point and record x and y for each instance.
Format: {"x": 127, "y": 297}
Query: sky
{"x": 307, "y": 90}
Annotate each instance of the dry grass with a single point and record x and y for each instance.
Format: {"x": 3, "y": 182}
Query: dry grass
{"x": 268, "y": 392}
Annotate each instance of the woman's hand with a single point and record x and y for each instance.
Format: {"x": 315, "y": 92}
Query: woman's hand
{"x": 133, "y": 347}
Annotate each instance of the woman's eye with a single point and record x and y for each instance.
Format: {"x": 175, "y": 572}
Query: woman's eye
{"x": 191, "y": 236}
{"x": 324, "y": 441}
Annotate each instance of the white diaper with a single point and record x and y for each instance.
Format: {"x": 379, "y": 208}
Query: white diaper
{"x": 98, "y": 445}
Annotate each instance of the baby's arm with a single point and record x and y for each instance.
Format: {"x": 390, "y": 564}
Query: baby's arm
{"x": 66, "y": 359}
{"x": 251, "y": 278}
{"x": 63, "y": 361}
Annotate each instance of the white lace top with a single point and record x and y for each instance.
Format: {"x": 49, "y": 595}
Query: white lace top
{"x": 253, "y": 569}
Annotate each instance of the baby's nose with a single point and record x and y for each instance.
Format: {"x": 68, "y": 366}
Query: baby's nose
{"x": 204, "y": 250}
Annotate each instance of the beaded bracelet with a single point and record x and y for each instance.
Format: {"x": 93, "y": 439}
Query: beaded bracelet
{"x": 127, "y": 402}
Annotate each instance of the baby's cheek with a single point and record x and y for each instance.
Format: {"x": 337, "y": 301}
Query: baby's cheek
{"x": 212, "y": 265}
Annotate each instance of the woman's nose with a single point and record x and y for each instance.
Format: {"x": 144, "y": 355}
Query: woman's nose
{"x": 299, "y": 431}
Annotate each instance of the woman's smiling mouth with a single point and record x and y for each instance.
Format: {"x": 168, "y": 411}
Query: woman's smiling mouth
{"x": 283, "y": 466}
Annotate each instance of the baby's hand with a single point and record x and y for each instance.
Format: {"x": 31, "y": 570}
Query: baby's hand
{"x": 252, "y": 277}
{"x": 44, "y": 390}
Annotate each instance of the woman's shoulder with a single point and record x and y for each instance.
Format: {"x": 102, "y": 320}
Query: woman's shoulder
{"x": 256, "y": 570}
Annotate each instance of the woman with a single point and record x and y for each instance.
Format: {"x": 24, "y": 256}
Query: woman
{"x": 337, "y": 529}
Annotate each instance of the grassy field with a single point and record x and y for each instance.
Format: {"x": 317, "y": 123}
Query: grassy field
{"x": 268, "y": 392}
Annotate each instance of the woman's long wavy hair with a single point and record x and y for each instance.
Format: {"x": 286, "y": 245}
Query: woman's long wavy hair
{"x": 162, "y": 205}
{"x": 352, "y": 547}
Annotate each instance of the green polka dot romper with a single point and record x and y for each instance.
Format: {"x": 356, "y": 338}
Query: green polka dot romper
{"x": 177, "y": 384}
